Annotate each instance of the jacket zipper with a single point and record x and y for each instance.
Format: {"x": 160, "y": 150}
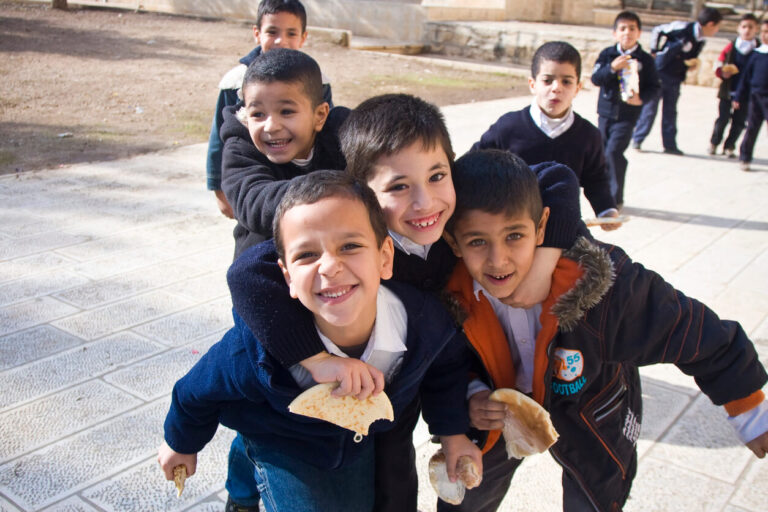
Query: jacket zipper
{"x": 611, "y": 405}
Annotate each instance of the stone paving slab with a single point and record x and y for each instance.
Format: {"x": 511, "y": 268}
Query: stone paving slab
{"x": 111, "y": 288}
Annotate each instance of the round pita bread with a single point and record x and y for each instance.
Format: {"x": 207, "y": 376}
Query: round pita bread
{"x": 344, "y": 411}
{"x": 527, "y": 427}
{"x": 453, "y": 492}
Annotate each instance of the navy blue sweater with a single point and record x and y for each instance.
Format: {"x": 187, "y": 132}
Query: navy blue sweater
{"x": 609, "y": 103}
{"x": 580, "y": 148}
{"x": 755, "y": 79}
{"x": 238, "y": 384}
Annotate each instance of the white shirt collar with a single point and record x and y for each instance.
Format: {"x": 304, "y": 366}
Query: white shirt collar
{"x": 626, "y": 52}
{"x": 304, "y": 162}
{"x": 389, "y": 330}
{"x": 697, "y": 31}
{"x": 763, "y": 48}
{"x": 551, "y": 127}
{"x": 744, "y": 47}
{"x": 408, "y": 246}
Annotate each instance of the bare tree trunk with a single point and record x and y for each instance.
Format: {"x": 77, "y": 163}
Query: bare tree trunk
{"x": 59, "y": 4}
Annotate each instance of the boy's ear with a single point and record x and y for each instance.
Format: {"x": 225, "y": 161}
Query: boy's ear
{"x": 321, "y": 115}
{"x": 531, "y": 83}
{"x": 287, "y": 277}
{"x": 452, "y": 243}
{"x": 542, "y": 227}
{"x": 256, "y": 32}
{"x": 303, "y": 39}
{"x": 387, "y": 252}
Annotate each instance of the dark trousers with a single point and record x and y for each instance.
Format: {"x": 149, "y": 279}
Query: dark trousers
{"x": 757, "y": 113}
{"x": 670, "y": 93}
{"x": 396, "y": 487}
{"x": 737, "y": 119}
{"x": 497, "y": 476}
{"x": 616, "y": 136}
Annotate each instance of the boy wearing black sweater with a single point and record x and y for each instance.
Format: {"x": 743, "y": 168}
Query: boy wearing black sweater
{"x": 619, "y": 105}
{"x": 550, "y": 130}
{"x": 754, "y": 88}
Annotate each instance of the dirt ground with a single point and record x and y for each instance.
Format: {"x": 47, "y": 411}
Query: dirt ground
{"x": 97, "y": 84}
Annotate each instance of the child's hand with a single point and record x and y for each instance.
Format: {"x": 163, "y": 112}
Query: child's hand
{"x": 224, "y": 207}
{"x": 456, "y": 446}
{"x": 634, "y": 100}
{"x": 759, "y": 445}
{"x": 534, "y": 287}
{"x": 620, "y": 62}
{"x": 610, "y": 227}
{"x": 735, "y": 105}
{"x": 169, "y": 459}
{"x": 354, "y": 376}
{"x": 485, "y": 414}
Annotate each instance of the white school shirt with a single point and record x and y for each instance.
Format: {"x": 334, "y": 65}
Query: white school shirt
{"x": 386, "y": 346}
{"x": 520, "y": 326}
{"x": 551, "y": 127}
{"x": 408, "y": 246}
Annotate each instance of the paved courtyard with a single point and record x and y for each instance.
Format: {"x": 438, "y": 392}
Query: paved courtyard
{"x": 112, "y": 284}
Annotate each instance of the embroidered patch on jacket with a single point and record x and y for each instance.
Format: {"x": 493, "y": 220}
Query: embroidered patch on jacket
{"x": 569, "y": 364}
{"x": 631, "y": 427}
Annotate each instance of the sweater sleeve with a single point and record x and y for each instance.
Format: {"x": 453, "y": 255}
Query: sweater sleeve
{"x": 260, "y": 296}
{"x": 659, "y": 324}
{"x": 496, "y": 136}
{"x": 560, "y": 191}
{"x": 594, "y": 175}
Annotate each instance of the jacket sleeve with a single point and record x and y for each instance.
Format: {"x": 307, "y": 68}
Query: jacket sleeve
{"x": 200, "y": 395}
{"x": 594, "y": 177}
{"x": 253, "y": 188}
{"x": 260, "y": 296}
{"x": 655, "y": 323}
{"x": 602, "y": 74}
{"x": 650, "y": 85}
{"x": 226, "y": 98}
{"x": 444, "y": 388}
{"x": 560, "y": 191}
{"x": 496, "y": 136}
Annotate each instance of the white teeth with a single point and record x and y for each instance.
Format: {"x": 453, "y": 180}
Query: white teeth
{"x": 277, "y": 143}
{"x": 425, "y": 224}
{"x": 334, "y": 295}
{"x": 500, "y": 277}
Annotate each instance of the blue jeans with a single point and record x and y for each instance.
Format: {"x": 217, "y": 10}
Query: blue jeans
{"x": 286, "y": 483}
{"x": 670, "y": 93}
{"x": 241, "y": 485}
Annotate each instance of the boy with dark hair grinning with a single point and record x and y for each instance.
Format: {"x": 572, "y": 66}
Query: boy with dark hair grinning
{"x": 550, "y": 130}
{"x": 399, "y": 145}
{"x": 618, "y": 110}
{"x": 282, "y": 128}
{"x": 578, "y": 352}
{"x": 334, "y": 251}
{"x": 279, "y": 24}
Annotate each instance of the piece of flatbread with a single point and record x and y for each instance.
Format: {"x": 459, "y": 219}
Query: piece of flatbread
{"x": 453, "y": 492}
{"x": 179, "y": 475}
{"x": 731, "y": 68}
{"x": 344, "y": 411}
{"x": 527, "y": 427}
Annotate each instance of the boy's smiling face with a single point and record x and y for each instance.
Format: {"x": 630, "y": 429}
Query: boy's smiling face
{"x": 279, "y": 30}
{"x": 281, "y": 120}
{"x": 626, "y": 33}
{"x": 497, "y": 248}
{"x": 415, "y": 190}
{"x": 334, "y": 265}
{"x": 555, "y": 87}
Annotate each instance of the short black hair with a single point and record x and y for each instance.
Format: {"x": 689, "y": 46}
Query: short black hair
{"x": 277, "y": 6}
{"x": 383, "y": 125}
{"x": 286, "y": 65}
{"x": 627, "y": 16}
{"x": 494, "y": 181}
{"x": 315, "y": 186}
{"x": 558, "y": 51}
{"x": 709, "y": 15}
{"x": 748, "y": 17}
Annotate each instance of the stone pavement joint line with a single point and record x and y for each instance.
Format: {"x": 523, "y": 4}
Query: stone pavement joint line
{"x": 112, "y": 285}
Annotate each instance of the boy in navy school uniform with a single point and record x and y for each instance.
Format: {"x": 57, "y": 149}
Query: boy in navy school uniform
{"x": 736, "y": 53}
{"x": 334, "y": 250}
{"x": 279, "y": 24}
{"x": 578, "y": 352}
{"x": 754, "y": 89}
{"x": 549, "y": 130}
{"x": 675, "y": 47}
{"x": 617, "y": 116}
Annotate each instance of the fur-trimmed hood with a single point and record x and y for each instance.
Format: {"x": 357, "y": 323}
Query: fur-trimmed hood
{"x": 597, "y": 277}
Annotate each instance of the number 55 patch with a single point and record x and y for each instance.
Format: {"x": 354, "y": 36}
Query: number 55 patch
{"x": 569, "y": 364}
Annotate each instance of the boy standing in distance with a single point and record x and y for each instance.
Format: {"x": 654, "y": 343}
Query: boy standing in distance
{"x": 334, "y": 251}
{"x": 578, "y": 352}
{"x": 753, "y": 89}
{"x": 399, "y": 145}
{"x": 549, "y": 129}
{"x": 730, "y": 66}
{"x": 279, "y": 24}
{"x": 282, "y": 129}
{"x": 676, "y": 47}
{"x": 617, "y": 116}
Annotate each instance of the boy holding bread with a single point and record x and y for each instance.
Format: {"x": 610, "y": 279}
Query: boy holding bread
{"x": 577, "y": 353}
{"x": 333, "y": 247}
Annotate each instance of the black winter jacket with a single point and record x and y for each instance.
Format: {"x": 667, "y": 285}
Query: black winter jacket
{"x": 609, "y": 103}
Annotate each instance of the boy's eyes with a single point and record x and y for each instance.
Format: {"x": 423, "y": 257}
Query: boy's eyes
{"x": 514, "y": 236}
{"x": 438, "y": 176}
{"x": 397, "y": 187}
{"x": 304, "y": 256}
{"x": 476, "y": 242}
{"x": 350, "y": 246}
